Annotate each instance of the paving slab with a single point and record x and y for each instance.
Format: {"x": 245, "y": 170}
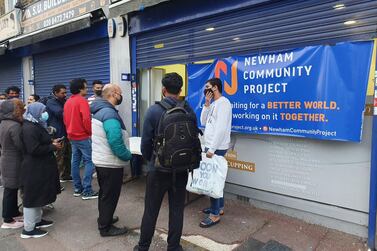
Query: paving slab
{"x": 338, "y": 241}
{"x": 75, "y": 227}
{"x": 11, "y": 244}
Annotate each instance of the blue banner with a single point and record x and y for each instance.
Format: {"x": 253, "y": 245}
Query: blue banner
{"x": 314, "y": 92}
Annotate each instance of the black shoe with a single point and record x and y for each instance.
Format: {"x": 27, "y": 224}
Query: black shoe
{"x": 115, "y": 219}
{"x": 36, "y": 233}
{"x": 90, "y": 196}
{"x": 44, "y": 223}
{"x": 114, "y": 231}
{"x": 137, "y": 248}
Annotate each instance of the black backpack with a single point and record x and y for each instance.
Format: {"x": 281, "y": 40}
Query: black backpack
{"x": 176, "y": 145}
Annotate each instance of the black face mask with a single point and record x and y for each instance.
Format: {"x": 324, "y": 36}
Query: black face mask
{"x": 119, "y": 101}
{"x": 209, "y": 90}
{"x": 98, "y": 93}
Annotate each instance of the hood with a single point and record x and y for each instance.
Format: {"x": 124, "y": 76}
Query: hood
{"x": 33, "y": 113}
{"x": 7, "y": 110}
{"x": 99, "y": 104}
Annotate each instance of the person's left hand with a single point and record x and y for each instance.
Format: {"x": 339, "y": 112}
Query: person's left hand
{"x": 209, "y": 154}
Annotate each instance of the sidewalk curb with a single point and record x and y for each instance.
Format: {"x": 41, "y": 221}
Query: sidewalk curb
{"x": 192, "y": 242}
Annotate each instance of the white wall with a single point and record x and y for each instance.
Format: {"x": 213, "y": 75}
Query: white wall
{"x": 27, "y": 68}
{"x": 120, "y": 62}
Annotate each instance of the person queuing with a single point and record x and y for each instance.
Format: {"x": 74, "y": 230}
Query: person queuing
{"x": 216, "y": 116}
{"x": 55, "y": 108}
{"x": 97, "y": 89}
{"x": 1, "y": 183}
{"x": 40, "y": 177}
{"x": 77, "y": 120}
{"x": 97, "y": 86}
{"x": 11, "y": 112}
{"x": 33, "y": 98}
{"x": 13, "y": 92}
{"x": 110, "y": 155}
{"x": 159, "y": 183}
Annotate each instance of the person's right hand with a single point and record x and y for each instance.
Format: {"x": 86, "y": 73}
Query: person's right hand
{"x": 58, "y": 145}
{"x": 209, "y": 97}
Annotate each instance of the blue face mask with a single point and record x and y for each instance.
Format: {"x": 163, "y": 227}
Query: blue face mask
{"x": 44, "y": 116}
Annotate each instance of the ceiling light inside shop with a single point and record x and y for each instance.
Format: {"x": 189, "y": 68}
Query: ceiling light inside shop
{"x": 210, "y": 29}
{"x": 350, "y": 22}
{"x": 339, "y": 6}
{"x": 236, "y": 39}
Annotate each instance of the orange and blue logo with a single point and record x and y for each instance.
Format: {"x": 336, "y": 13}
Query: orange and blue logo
{"x": 221, "y": 71}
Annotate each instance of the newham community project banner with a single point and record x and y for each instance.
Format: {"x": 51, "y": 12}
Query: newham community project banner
{"x": 314, "y": 92}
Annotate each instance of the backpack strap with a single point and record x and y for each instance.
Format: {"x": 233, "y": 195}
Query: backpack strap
{"x": 166, "y": 106}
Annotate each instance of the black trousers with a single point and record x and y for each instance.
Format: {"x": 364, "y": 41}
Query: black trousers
{"x": 110, "y": 185}
{"x": 158, "y": 184}
{"x": 10, "y": 204}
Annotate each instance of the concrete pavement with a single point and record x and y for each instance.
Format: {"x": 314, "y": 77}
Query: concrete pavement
{"x": 243, "y": 227}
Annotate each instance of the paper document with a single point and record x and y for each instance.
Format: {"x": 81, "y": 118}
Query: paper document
{"x": 135, "y": 143}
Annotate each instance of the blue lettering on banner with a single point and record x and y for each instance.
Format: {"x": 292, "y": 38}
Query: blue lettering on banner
{"x": 315, "y": 92}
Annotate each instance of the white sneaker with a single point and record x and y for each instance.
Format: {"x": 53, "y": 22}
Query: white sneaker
{"x": 13, "y": 225}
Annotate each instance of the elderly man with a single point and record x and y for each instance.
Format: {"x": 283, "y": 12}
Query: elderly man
{"x": 109, "y": 156}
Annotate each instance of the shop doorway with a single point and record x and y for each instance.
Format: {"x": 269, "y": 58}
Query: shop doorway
{"x": 150, "y": 85}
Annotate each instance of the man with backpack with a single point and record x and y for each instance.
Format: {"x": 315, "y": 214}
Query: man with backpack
{"x": 171, "y": 145}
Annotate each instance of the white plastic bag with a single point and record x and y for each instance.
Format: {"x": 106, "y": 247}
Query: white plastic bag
{"x": 209, "y": 178}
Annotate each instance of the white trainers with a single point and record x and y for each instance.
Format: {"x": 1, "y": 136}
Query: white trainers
{"x": 13, "y": 225}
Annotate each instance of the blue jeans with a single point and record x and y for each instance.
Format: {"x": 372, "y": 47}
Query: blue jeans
{"x": 82, "y": 150}
{"x": 217, "y": 204}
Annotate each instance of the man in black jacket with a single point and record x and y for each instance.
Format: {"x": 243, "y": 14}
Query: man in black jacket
{"x": 158, "y": 183}
{"x": 55, "y": 107}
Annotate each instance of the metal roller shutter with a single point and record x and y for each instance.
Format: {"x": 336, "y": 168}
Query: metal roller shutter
{"x": 276, "y": 25}
{"x": 10, "y": 73}
{"x": 90, "y": 61}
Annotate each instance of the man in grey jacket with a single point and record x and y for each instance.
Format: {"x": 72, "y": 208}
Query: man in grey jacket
{"x": 109, "y": 155}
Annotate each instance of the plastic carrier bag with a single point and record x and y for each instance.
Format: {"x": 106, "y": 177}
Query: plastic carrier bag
{"x": 209, "y": 178}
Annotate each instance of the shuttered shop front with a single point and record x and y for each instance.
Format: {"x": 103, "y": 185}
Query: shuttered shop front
{"x": 271, "y": 26}
{"x": 10, "y": 72}
{"x": 88, "y": 60}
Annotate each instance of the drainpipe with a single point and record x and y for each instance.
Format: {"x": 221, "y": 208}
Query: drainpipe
{"x": 373, "y": 178}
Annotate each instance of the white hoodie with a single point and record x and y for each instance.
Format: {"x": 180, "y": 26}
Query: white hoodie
{"x": 217, "y": 119}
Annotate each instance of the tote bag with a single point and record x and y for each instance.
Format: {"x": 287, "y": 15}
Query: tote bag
{"x": 209, "y": 178}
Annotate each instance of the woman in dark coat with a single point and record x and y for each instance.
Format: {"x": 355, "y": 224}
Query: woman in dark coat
{"x": 40, "y": 178}
{"x": 10, "y": 160}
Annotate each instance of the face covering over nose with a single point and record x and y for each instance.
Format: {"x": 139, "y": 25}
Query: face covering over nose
{"x": 44, "y": 116}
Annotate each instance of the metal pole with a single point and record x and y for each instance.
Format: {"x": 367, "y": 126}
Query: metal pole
{"x": 373, "y": 178}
